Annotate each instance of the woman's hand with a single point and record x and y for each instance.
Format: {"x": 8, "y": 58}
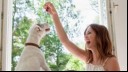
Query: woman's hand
{"x": 50, "y": 8}
{"x": 61, "y": 33}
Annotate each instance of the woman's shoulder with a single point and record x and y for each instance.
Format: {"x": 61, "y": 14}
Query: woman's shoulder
{"x": 112, "y": 64}
{"x": 111, "y": 60}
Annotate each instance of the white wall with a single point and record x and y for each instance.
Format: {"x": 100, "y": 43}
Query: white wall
{"x": 120, "y": 17}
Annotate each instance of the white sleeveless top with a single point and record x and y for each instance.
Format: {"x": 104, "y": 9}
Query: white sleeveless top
{"x": 91, "y": 67}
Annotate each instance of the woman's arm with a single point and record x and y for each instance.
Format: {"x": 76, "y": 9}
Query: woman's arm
{"x": 62, "y": 35}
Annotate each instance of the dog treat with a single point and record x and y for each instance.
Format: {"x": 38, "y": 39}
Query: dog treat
{"x": 47, "y": 9}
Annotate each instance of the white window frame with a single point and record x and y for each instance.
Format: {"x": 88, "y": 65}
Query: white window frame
{"x": 110, "y": 22}
{"x": 119, "y": 22}
{"x": 7, "y": 35}
{"x": 111, "y": 27}
{"x": 0, "y": 34}
{"x": 6, "y": 32}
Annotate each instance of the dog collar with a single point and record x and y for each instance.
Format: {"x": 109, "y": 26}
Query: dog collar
{"x": 32, "y": 44}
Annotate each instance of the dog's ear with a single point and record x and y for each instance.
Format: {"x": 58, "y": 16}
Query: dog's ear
{"x": 38, "y": 29}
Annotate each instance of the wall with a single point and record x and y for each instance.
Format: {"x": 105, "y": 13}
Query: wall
{"x": 120, "y": 24}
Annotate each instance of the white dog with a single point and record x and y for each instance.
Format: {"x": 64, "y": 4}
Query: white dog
{"x": 32, "y": 58}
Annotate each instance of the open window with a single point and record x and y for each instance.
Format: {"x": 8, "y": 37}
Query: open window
{"x": 74, "y": 14}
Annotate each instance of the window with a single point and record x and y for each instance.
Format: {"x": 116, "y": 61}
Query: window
{"x": 75, "y": 16}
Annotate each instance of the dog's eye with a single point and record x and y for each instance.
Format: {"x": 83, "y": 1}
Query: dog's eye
{"x": 40, "y": 25}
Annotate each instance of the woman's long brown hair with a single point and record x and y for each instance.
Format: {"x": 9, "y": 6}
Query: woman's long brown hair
{"x": 103, "y": 42}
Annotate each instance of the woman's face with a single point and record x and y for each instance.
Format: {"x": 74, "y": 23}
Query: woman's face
{"x": 90, "y": 38}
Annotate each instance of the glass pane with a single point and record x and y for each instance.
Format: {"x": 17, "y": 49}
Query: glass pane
{"x": 75, "y": 16}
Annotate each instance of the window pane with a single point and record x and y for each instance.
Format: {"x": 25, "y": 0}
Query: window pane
{"x": 75, "y": 16}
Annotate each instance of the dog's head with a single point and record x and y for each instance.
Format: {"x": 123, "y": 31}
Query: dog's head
{"x": 39, "y": 30}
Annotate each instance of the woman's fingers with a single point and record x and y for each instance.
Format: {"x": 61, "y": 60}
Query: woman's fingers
{"x": 49, "y": 8}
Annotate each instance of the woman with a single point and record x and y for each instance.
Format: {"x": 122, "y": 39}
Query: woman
{"x": 98, "y": 54}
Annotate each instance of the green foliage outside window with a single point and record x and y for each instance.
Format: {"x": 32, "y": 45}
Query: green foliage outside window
{"x": 56, "y": 57}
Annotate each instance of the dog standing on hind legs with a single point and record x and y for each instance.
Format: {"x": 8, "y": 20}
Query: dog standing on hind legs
{"x": 32, "y": 58}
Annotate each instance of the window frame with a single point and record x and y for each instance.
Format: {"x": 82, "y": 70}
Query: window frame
{"x": 0, "y": 34}
{"x": 6, "y": 35}
{"x": 6, "y": 32}
{"x": 110, "y": 23}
